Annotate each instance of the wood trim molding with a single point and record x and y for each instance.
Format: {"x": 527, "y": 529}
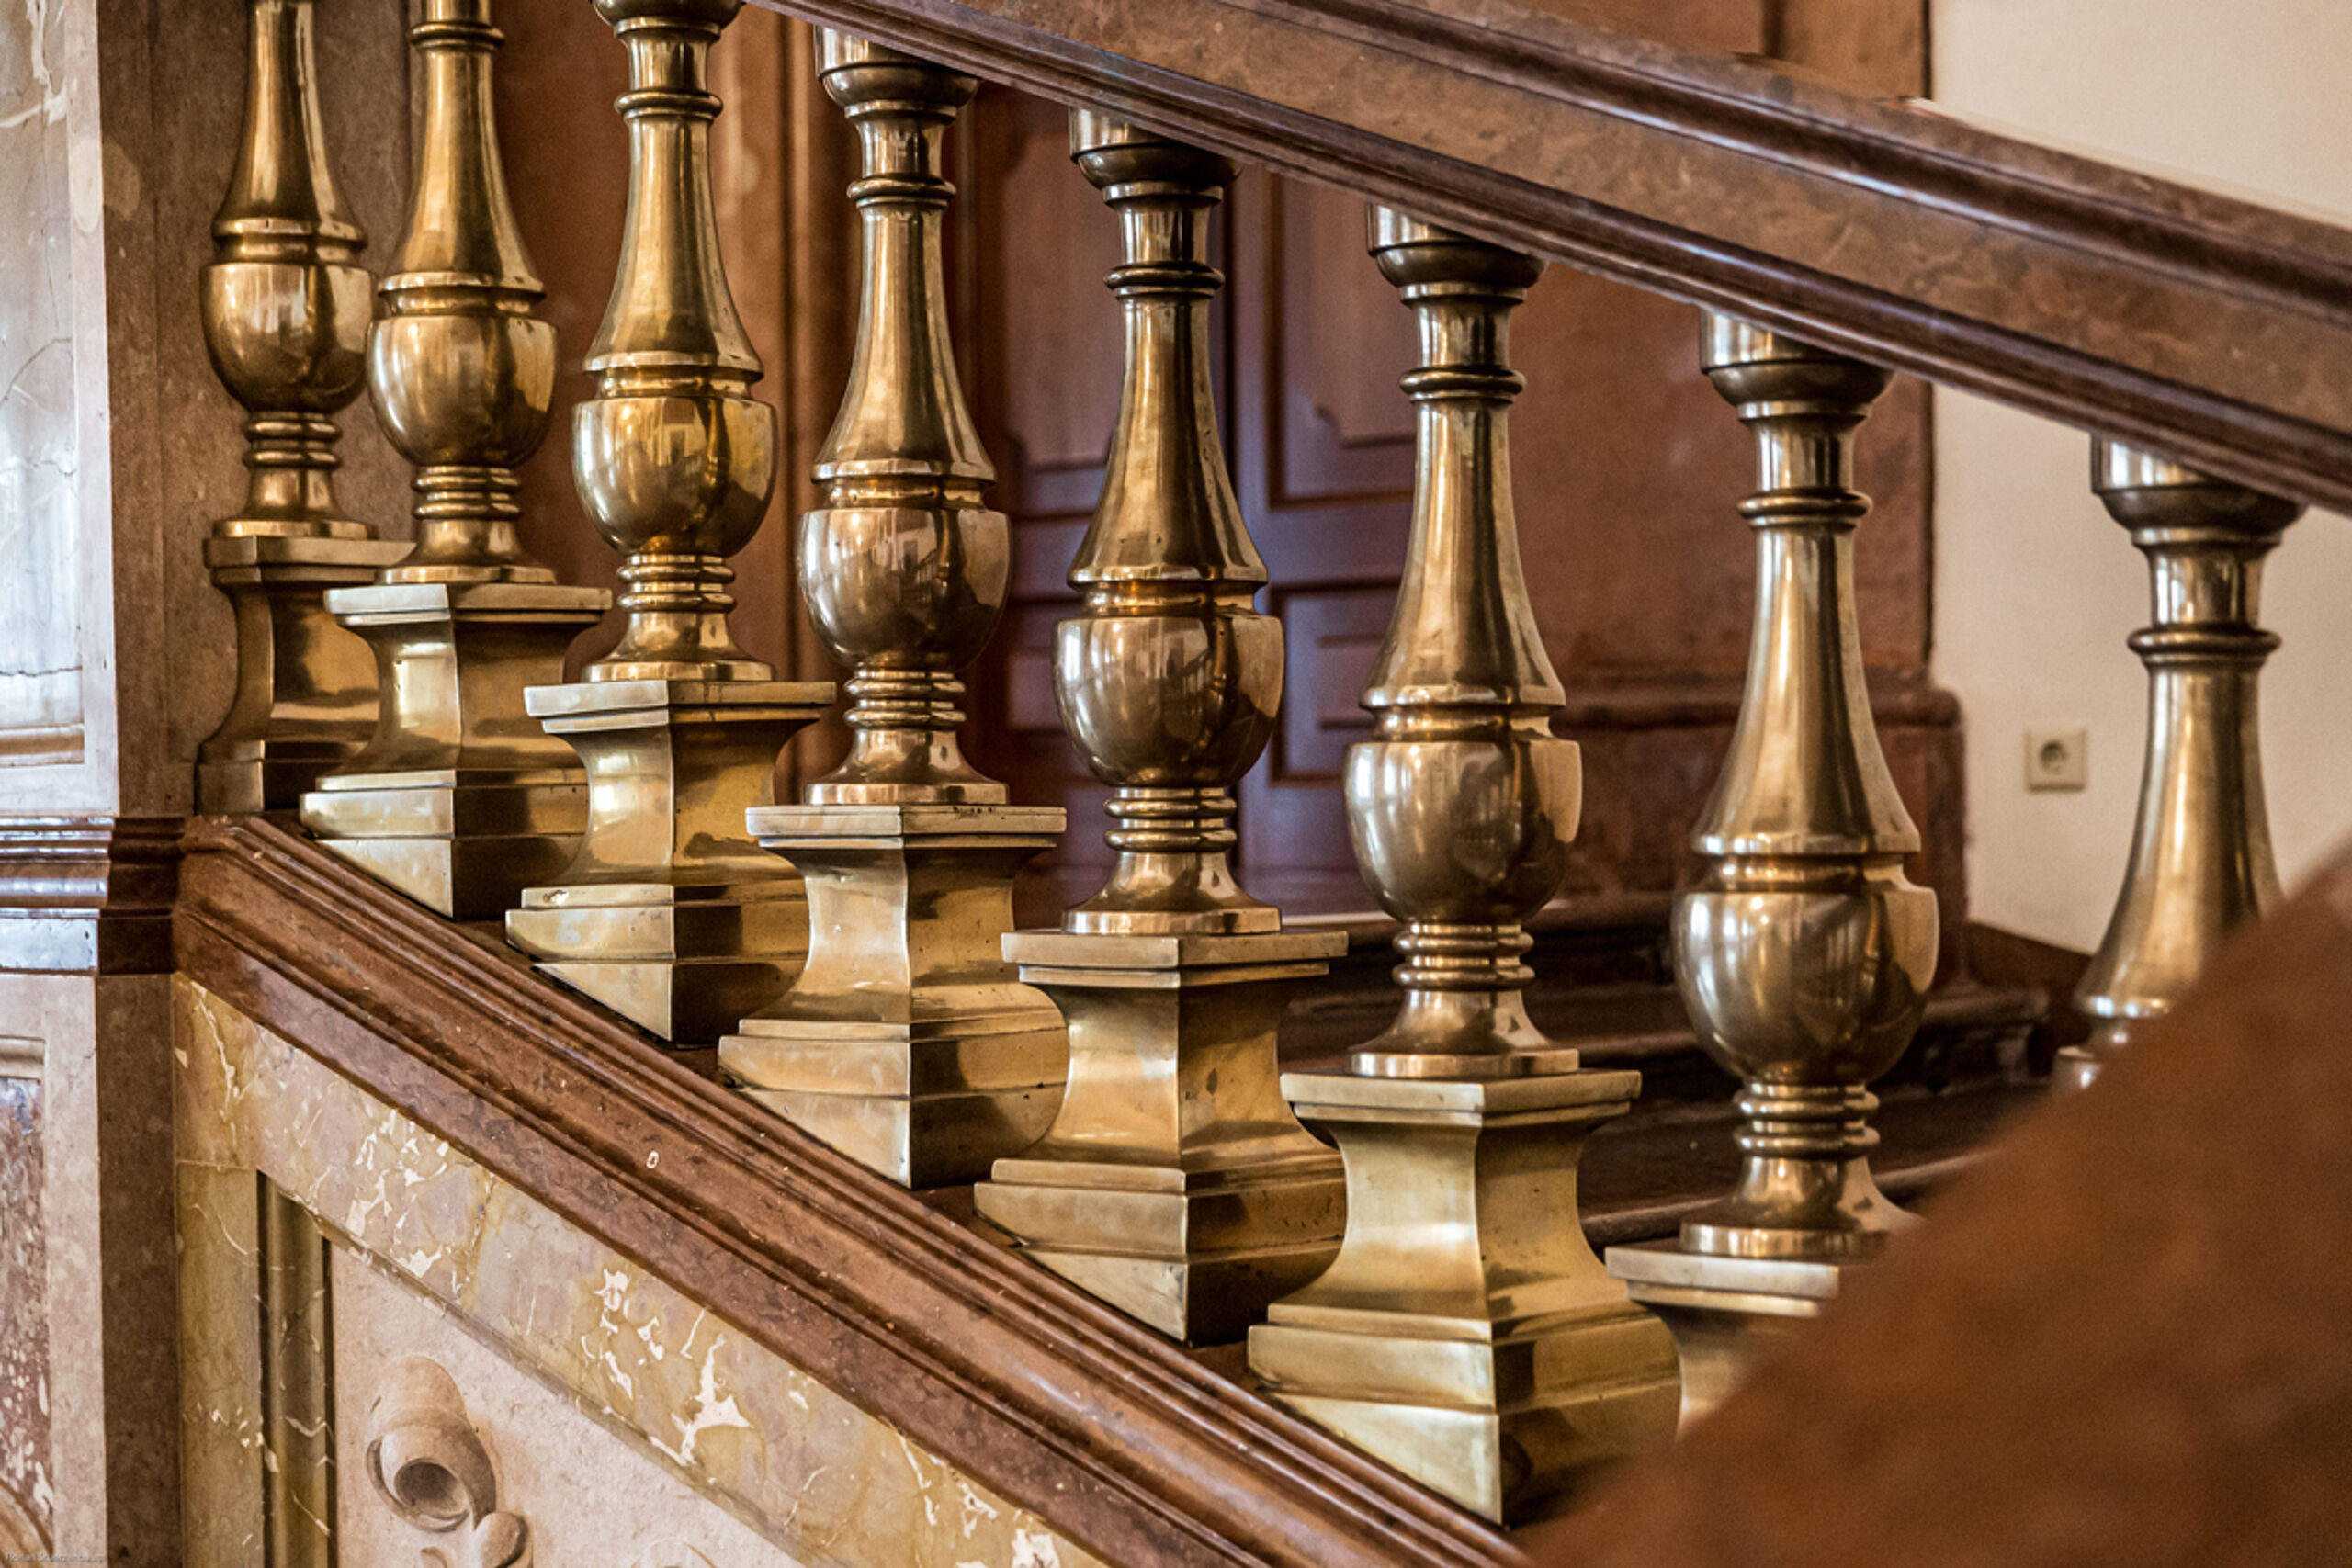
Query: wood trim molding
{"x": 1100, "y": 1426}
{"x": 2206, "y": 327}
{"x": 88, "y": 895}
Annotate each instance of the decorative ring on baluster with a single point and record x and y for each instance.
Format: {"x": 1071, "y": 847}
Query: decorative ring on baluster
{"x": 1442, "y": 957}
{"x": 1173, "y": 821}
{"x": 1805, "y": 1121}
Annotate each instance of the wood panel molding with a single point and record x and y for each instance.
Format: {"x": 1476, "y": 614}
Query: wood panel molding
{"x": 1100, "y": 1426}
{"x": 2202, "y": 325}
{"x": 88, "y": 895}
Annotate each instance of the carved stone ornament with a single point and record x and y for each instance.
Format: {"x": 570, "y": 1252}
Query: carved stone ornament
{"x": 428, "y": 1461}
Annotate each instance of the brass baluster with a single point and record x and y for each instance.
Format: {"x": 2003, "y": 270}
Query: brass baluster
{"x": 905, "y": 1042}
{"x": 2201, "y": 864}
{"x": 285, "y": 306}
{"x": 461, "y": 800}
{"x": 1466, "y": 1333}
{"x": 1174, "y": 1182}
{"x": 670, "y": 914}
{"x": 1804, "y": 956}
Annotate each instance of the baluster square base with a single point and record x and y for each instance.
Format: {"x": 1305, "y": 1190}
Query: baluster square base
{"x": 306, "y": 688}
{"x": 1725, "y": 1312}
{"x": 907, "y": 1043}
{"x": 463, "y": 842}
{"x": 460, "y": 800}
{"x": 669, "y": 914}
{"x": 1174, "y": 1184}
{"x": 1466, "y": 1333}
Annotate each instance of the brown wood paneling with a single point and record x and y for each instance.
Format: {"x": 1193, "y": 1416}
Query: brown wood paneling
{"x": 1325, "y": 340}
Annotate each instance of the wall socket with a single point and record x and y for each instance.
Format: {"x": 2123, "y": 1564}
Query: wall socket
{"x": 2057, "y": 759}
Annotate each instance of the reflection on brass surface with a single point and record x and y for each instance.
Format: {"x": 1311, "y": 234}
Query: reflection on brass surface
{"x": 1803, "y": 955}
{"x": 1465, "y": 1334}
{"x": 1461, "y": 810}
{"x": 668, "y": 913}
{"x": 904, "y": 565}
{"x": 286, "y": 318}
{"x": 1174, "y": 1182}
{"x": 460, "y": 800}
{"x": 1169, "y": 676}
{"x": 674, "y": 457}
{"x": 907, "y": 1043}
{"x": 2201, "y": 864}
{"x": 1725, "y": 1312}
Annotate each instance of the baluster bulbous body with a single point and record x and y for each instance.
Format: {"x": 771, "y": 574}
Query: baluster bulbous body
{"x": 1174, "y": 1181}
{"x": 674, "y": 457}
{"x": 1169, "y": 676}
{"x": 1465, "y": 1327}
{"x": 2201, "y": 864}
{"x": 668, "y": 913}
{"x": 905, "y": 1042}
{"x": 459, "y": 799}
{"x": 286, "y": 309}
{"x": 1803, "y": 955}
{"x": 1461, "y": 810}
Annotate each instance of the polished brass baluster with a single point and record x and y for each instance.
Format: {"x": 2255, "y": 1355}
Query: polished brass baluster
{"x": 1465, "y": 1334}
{"x": 1803, "y": 955}
{"x": 670, "y": 914}
{"x": 1174, "y": 1182}
{"x": 905, "y": 1042}
{"x": 285, "y": 306}
{"x": 461, "y": 800}
{"x": 2201, "y": 865}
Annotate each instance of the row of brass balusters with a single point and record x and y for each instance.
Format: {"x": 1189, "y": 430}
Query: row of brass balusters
{"x": 1112, "y": 1087}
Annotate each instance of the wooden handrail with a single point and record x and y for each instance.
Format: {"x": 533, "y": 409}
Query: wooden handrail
{"x": 2212, "y": 329}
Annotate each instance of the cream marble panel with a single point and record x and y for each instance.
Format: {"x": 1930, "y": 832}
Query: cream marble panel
{"x": 41, "y": 656}
{"x": 589, "y": 1497}
{"x": 797, "y": 1462}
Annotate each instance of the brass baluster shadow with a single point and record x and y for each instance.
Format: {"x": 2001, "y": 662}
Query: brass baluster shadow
{"x": 1804, "y": 955}
{"x": 1466, "y": 1333}
{"x": 1174, "y": 1182}
{"x": 668, "y": 912}
{"x": 459, "y": 800}
{"x": 286, "y": 309}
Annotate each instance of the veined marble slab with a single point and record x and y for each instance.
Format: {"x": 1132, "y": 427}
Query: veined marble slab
{"x": 795, "y": 1462}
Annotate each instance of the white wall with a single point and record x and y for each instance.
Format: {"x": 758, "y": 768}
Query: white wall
{"x": 2036, "y": 588}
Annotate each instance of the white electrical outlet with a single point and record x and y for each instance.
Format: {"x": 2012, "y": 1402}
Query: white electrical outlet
{"x": 2057, "y": 759}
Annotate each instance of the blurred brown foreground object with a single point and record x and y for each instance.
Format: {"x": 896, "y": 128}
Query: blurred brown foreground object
{"x": 2128, "y": 1340}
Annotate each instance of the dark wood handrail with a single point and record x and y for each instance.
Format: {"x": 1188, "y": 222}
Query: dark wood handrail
{"x": 2212, "y": 329}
